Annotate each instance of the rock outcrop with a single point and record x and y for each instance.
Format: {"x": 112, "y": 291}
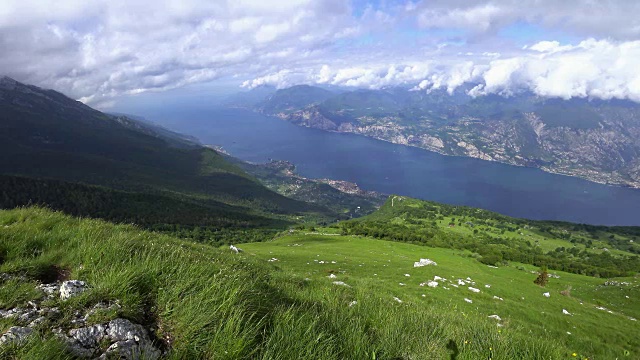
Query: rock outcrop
{"x": 125, "y": 339}
{"x": 116, "y": 339}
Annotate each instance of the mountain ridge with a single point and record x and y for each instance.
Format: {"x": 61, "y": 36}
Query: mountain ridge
{"x": 596, "y": 140}
{"x": 50, "y": 141}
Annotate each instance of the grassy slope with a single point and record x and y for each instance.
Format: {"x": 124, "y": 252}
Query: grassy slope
{"x": 585, "y": 249}
{"x": 548, "y": 235}
{"x": 214, "y": 304}
{"x": 376, "y": 268}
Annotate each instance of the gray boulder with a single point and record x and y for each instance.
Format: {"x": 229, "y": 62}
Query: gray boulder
{"x": 16, "y": 335}
{"x": 127, "y": 341}
{"x": 72, "y": 288}
{"x": 88, "y": 337}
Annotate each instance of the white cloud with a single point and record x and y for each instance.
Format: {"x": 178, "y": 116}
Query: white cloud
{"x": 606, "y": 18}
{"x": 96, "y": 50}
{"x": 593, "y": 68}
{"x": 600, "y": 69}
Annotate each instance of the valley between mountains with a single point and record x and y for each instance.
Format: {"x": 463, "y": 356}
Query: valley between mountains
{"x": 593, "y": 139}
{"x": 120, "y": 239}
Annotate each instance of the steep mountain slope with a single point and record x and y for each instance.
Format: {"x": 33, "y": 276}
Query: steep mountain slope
{"x": 144, "y": 292}
{"x": 44, "y": 134}
{"x": 593, "y": 139}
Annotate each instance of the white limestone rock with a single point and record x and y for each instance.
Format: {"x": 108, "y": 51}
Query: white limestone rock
{"x": 16, "y": 335}
{"x": 424, "y": 262}
{"x": 72, "y": 288}
{"x": 131, "y": 350}
{"x": 126, "y": 341}
{"x": 88, "y": 336}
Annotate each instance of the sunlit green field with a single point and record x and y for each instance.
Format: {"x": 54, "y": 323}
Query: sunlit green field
{"x": 386, "y": 270}
{"x": 278, "y": 299}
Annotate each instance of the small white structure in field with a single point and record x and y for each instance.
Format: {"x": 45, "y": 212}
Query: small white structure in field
{"x": 401, "y": 284}
{"x": 352, "y": 303}
{"x": 398, "y": 300}
{"x": 461, "y": 282}
{"x": 498, "y": 298}
{"x": 495, "y": 317}
{"x": 407, "y": 275}
{"x": 437, "y": 278}
{"x": 272, "y": 260}
{"x": 546, "y": 294}
{"x": 332, "y": 276}
{"x": 341, "y": 283}
{"x": 424, "y": 262}
{"x": 487, "y": 286}
{"x": 468, "y": 300}
{"x": 235, "y": 249}
{"x": 474, "y": 289}
{"x": 564, "y": 311}
{"x": 432, "y": 284}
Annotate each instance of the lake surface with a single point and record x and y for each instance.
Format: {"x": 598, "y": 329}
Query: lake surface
{"x": 396, "y": 169}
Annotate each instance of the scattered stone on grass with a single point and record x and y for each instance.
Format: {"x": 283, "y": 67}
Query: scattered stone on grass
{"x": 126, "y": 341}
{"x": 72, "y": 288}
{"x": 424, "y": 262}
{"x": 15, "y": 335}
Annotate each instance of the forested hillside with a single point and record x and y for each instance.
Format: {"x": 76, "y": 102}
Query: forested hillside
{"x": 493, "y": 238}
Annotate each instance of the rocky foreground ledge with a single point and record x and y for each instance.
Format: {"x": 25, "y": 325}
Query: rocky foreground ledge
{"x": 118, "y": 338}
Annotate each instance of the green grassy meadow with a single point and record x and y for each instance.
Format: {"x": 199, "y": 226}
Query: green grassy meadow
{"x": 378, "y": 268}
{"x": 203, "y": 302}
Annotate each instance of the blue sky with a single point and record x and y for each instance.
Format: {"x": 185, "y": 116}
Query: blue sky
{"x": 99, "y": 51}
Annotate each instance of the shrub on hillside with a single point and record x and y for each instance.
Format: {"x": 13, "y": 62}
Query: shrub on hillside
{"x": 543, "y": 277}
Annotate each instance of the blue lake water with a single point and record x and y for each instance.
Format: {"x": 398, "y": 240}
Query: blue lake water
{"x": 396, "y": 169}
